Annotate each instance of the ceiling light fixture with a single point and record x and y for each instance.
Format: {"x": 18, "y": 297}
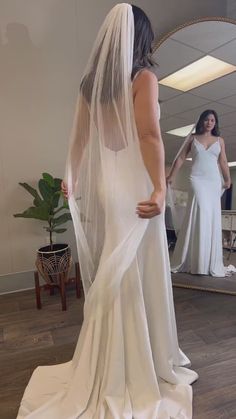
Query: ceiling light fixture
{"x": 182, "y": 131}
{"x": 202, "y": 71}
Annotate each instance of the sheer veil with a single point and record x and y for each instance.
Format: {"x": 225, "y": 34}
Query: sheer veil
{"x": 170, "y": 198}
{"x": 105, "y": 171}
{"x": 127, "y": 362}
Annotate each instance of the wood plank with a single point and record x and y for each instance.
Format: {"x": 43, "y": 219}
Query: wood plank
{"x": 207, "y": 333}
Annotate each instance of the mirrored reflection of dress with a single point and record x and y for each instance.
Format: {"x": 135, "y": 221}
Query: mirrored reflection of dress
{"x": 198, "y": 248}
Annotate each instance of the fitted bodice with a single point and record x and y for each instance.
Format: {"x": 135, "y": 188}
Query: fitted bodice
{"x": 205, "y": 160}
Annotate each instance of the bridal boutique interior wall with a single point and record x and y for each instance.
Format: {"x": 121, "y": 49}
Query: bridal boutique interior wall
{"x": 38, "y": 77}
{"x": 43, "y": 49}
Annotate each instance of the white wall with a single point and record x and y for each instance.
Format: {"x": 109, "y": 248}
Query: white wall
{"x": 44, "y": 46}
{"x": 39, "y": 81}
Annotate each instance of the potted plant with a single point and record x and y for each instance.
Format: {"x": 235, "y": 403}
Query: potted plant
{"x": 50, "y": 206}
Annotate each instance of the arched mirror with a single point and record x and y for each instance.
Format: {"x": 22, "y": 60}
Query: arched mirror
{"x": 197, "y": 71}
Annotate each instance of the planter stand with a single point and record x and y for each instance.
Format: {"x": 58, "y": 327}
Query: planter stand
{"x": 60, "y": 284}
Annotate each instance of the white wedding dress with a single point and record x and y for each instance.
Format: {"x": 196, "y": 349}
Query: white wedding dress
{"x": 127, "y": 363}
{"x": 198, "y": 248}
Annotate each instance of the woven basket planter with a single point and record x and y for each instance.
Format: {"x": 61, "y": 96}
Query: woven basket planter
{"x": 54, "y": 264}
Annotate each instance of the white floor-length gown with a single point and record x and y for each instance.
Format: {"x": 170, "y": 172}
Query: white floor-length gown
{"x": 198, "y": 248}
{"x": 127, "y": 363}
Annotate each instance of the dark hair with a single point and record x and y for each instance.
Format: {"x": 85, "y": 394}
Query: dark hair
{"x": 142, "y": 48}
{"x": 143, "y": 39}
{"x": 200, "y": 123}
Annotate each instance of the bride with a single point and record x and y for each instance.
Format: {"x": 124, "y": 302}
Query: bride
{"x": 127, "y": 363}
{"x": 199, "y": 245}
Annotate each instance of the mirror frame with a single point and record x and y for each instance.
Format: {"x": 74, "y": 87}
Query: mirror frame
{"x": 158, "y": 43}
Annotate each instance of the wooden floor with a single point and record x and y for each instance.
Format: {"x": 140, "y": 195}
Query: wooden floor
{"x": 207, "y": 333}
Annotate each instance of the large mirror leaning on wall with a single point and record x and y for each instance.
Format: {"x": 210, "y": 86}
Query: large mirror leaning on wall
{"x": 197, "y": 72}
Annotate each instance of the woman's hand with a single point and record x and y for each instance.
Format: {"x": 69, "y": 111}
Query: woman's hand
{"x": 64, "y": 189}
{"x": 227, "y": 185}
{"x": 154, "y": 206}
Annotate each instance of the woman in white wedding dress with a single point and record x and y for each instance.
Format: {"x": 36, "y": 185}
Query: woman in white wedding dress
{"x": 127, "y": 363}
{"x": 198, "y": 249}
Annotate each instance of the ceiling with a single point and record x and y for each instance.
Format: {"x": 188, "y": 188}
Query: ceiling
{"x": 215, "y": 38}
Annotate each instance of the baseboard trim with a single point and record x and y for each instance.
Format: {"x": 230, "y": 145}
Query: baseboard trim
{"x": 21, "y": 281}
{"x": 16, "y": 282}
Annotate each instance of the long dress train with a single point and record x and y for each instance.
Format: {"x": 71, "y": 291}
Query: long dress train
{"x": 127, "y": 363}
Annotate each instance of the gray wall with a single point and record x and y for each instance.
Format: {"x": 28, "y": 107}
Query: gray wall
{"x": 231, "y": 9}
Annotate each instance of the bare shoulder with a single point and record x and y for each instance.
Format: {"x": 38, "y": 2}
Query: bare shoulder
{"x": 146, "y": 79}
{"x": 146, "y": 75}
{"x": 189, "y": 142}
{"x": 190, "y": 139}
{"x": 222, "y": 142}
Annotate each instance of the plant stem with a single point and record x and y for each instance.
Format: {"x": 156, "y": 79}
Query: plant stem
{"x": 50, "y": 234}
{"x": 51, "y": 239}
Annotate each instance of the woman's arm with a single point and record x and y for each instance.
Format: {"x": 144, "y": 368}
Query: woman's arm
{"x": 145, "y": 90}
{"x": 179, "y": 160}
{"x": 223, "y": 163}
{"x": 79, "y": 134}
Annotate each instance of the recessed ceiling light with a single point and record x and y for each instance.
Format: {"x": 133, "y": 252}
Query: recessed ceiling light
{"x": 182, "y": 131}
{"x": 232, "y": 163}
{"x": 189, "y": 158}
{"x": 202, "y": 71}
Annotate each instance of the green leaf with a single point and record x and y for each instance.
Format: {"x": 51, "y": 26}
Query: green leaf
{"x": 49, "y": 179}
{"x": 62, "y": 219}
{"x": 59, "y": 230}
{"x": 57, "y": 184}
{"x": 39, "y": 213}
{"x": 38, "y": 202}
{"x": 46, "y": 191}
{"x": 65, "y": 204}
{"x": 59, "y": 209}
{"x": 55, "y": 199}
{"x": 56, "y": 230}
{"x": 29, "y": 189}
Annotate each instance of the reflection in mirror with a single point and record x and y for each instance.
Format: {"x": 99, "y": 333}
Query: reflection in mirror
{"x": 197, "y": 72}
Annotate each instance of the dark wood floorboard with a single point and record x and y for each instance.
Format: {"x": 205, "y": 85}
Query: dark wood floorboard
{"x": 207, "y": 333}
